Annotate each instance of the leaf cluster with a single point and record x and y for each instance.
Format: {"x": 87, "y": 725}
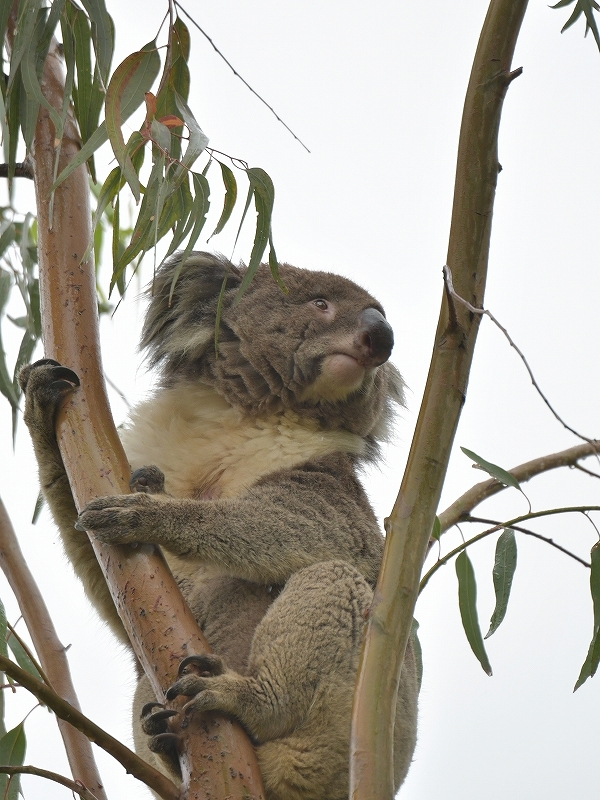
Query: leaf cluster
{"x": 505, "y": 564}
{"x": 13, "y": 742}
{"x": 171, "y": 193}
{"x": 18, "y": 261}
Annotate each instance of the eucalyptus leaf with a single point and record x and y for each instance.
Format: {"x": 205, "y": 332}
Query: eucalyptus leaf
{"x": 131, "y": 98}
{"x": 467, "y": 603}
{"x": 494, "y": 470}
{"x": 3, "y": 631}
{"x": 590, "y": 665}
{"x": 12, "y": 753}
{"x": 230, "y": 197}
{"x": 22, "y": 658}
{"x": 505, "y": 564}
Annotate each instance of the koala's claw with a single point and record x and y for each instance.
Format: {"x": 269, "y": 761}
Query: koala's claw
{"x": 48, "y": 379}
{"x": 149, "y": 480}
{"x": 167, "y": 745}
{"x": 206, "y": 665}
{"x": 155, "y": 722}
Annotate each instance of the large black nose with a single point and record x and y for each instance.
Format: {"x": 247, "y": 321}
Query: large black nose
{"x": 374, "y": 338}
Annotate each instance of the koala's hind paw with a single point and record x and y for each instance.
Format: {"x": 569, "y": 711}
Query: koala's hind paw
{"x": 195, "y": 675}
{"x": 147, "y": 479}
{"x": 155, "y": 722}
{"x": 206, "y": 665}
{"x": 161, "y": 741}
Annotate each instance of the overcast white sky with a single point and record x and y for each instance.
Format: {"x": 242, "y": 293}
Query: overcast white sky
{"x": 376, "y": 91}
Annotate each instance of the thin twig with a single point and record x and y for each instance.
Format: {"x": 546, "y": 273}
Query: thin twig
{"x": 74, "y": 786}
{"x": 237, "y": 74}
{"x": 21, "y": 170}
{"x": 589, "y": 472}
{"x": 510, "y": 524}
{"x": 130, "y": 761}
{"x": 114, "y": 386}
{"x": 530, "y": 533}
{"x": 483, "y": 311}
{"x": 524, "y": 472}
{"x": 50, "y": 650}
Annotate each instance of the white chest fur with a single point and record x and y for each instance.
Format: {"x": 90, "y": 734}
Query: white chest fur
{"x": 206, "y": 448}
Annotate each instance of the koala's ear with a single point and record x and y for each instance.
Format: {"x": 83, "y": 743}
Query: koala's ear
{"x": 181, "y": 317}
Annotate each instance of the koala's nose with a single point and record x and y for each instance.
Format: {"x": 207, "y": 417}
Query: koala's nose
{"x": 374, "y": 338}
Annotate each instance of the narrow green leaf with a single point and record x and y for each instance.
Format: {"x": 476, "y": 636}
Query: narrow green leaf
{"x": 595, "y": 582}
{"x": 28, "y": 343}
{"x": 494, "y": 470}
{"x": 198, "y": 214}
{"x": 103, "y": 35}
{"x": 263, "y": 191}
{"x": 590, "y": 665}
{"x": 586, "y": 7}
{"x": 186, "y": 221}
{"x": 230, "y": 198}
{"x": 131, "y": 99}
{"x": 24, "y": 40}
{"x": 6, "y": 384}
{"x": 131, "y": 76}
{"x": 21, "y": 657}
{"x": 28, "y": 114}
{"x": 436, "y": 531}
{"x": 505, "y": 564}
{"x": 3, "y": 631}
{"x": 37, "y": 510}
{"x": 418, "y": 652}
{"x": 31, "y": 81}
{"x": 7, "y": 237}
{"x": 467, "y": 602}
{"x": 12, "y": 106}
{"x": 198, "y": 140}
{"x": 35, "y": 309}
{"x": 12, "y": 753}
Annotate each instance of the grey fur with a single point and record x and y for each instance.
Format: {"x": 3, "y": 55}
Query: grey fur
{"x": 262, "y": 518}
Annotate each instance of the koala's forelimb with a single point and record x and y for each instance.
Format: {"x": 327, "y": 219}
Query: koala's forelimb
{"x": 233, "y": 533}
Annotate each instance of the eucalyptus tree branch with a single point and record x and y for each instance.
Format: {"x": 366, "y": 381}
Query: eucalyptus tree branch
{"x": 22, "y": 170}
{"x": 50, "y": 651}
{"x": 130, "y": 761}
{"x": 513, "y": 524}
{"x": 215, "y": 752}
{"x": 410, "y": 523}
{"x": 74, "y": 786}
{"x": 484, "y": 311}
{"x": 460, "y": 508}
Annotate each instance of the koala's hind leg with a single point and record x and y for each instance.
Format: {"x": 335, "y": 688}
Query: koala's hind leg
{"x": 295, "y": 701}
{"x": 310, "y": 644}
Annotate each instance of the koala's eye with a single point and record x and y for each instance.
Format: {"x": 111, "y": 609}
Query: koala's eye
{"x": 321, "y": 304}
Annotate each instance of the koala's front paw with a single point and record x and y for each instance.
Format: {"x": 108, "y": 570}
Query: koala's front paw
{"x": 121, "y": 518}
{"x": 45, "y": 384}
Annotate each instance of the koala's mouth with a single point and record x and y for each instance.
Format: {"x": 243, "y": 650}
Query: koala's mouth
{"x": 340, "y": 375}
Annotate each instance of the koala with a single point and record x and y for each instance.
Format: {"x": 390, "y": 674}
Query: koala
{"x": 245, "y": 461}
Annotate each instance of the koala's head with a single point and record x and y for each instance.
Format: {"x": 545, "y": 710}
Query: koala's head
{"x": 320, "y": 349}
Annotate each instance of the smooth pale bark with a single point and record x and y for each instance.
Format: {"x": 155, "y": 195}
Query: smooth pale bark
{"x": 218, "y": 760}
{"x": 410, "y": 523}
